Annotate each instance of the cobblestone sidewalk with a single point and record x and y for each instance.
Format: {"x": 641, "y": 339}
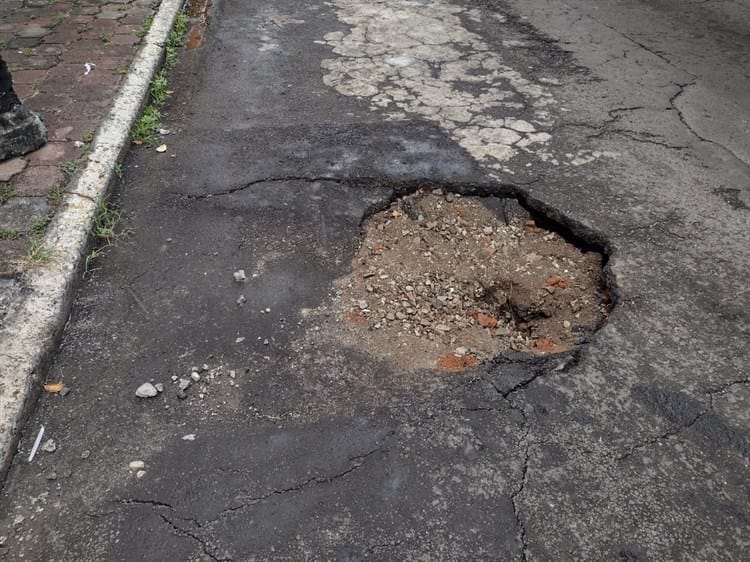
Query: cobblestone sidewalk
{"x": 67, "y": 59}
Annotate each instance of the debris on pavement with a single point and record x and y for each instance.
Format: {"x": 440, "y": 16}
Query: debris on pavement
{"x": 146, "y": 390}
{"x": 53, "y": 387}
{"x": 49, "y": 446}
{"x": 38, "y": 440}
{"x": 239, "y": 276}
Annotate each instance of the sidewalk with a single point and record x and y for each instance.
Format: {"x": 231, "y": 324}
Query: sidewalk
{"x": 68, "y": 60}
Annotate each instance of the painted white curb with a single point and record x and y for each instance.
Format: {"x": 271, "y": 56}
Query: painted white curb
{"x": 33, "y": 327}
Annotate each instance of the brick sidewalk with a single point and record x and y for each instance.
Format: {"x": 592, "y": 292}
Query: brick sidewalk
{"x": 67, "y": 59}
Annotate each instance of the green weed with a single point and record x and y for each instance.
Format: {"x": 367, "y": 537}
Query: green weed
{"x": 7, "y": 191}
{"x": 146, "y": 26}
{"x": 147, "y": 126}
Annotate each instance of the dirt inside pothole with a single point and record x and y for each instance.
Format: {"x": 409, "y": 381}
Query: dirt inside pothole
{"x": 447, "y": 281}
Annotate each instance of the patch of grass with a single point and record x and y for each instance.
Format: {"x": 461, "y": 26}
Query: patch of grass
{"x": 118, "y": 171}
{"x": 148, "y": 125}
{"x": 146, "y": 26}
{"x": 105, "y": 37}
{"x": 38, "y": 253}
{"x": 40, "y": 227}
{"x": 174, "y": 40}
{"x": 105, "y": 232}
{"x": 62, "y": 16}
{"x": 7, "y": 191}
{"x": 69, "y": 168}
{"x": 10, "y": 235}
{"x": 55, "y": 196}
{"x": 158, "y": 89}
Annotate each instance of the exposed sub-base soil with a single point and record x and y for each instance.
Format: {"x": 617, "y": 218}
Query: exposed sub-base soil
{"x": 447, "y": 281}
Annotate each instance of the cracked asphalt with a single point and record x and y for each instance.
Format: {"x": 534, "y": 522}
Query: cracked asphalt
{"x": 625, "y": 123}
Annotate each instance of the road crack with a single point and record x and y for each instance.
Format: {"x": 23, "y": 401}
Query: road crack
{"x": 357, "y": 463}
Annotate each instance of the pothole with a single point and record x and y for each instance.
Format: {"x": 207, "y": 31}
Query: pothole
{"x": 447, "y": 281}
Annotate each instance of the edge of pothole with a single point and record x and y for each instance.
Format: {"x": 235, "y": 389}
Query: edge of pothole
{"x": 32, "y": 330}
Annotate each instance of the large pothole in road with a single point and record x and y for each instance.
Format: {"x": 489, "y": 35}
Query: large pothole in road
{"x": 447, "y": 281}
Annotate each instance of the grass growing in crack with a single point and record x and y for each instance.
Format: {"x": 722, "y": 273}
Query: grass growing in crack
{"x": 158, "y": 89}
{"x": 10, "y": 235}
{"x": 145, "y": 27}
{"x": 146, "y": 128}
{"x": 7, "y": 192}
{"x": 38, "y": 253}
{"x": 118, "y": 171}
{"x": 40, "y": 226}
{"x": 55, "y": 196}
{"x": 105, "y": 232}
{"x": 69, "y": 168}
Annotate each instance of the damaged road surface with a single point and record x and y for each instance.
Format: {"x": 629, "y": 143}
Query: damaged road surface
{"x": 558, "y": 370}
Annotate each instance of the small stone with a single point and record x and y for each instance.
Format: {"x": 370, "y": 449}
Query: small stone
{"x": 449, "y": 197}
{"x": 442, "y": 328}
{"x": 64, "y": 391}
{"x": 136, "y": 465}
{"x": 566, "y": 324}
{"x": 265, "y": 342}
{"x": 49, "y": 446}
{"x": 461, "y": 351}
{"x": 268, "y": 310}
{"x": 204, "y": 368}
{"x": 241, "y": 300}
{"x": 159, "y": 387}
{"x": 86, "y": 454}
{"x": 189, "y": 437}
{"x": 18, "y": 519}
{"x": 239, "y": 276}
{"x": 195, "y": 376}
{"x": 183, "y": 384}
{"x": 362, "y": 304}
{"x": 146, "y": 390}
{"x": 232, "y": 374}
{"x": 52, "y": 476}
{"x": 140, "y": 474}
{"x": 174, "y": 378}
{"x": 181, "y": 394}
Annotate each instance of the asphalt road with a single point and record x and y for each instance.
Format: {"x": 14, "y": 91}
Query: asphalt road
{"x": 625, "y": 122}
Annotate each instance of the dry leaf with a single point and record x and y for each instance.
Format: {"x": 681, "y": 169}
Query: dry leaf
{"x": 53, "y": 387}
{"x": 161, "y": 148}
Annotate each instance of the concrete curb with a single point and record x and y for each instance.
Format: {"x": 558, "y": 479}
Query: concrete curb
{"x": 30, "y": 334}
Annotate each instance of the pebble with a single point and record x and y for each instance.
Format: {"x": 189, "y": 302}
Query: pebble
{"x": 86, "y": 454}
{"x": 239, "y": 276}
{"x": 449, "y": 197}
{"x": 183, "y": 384}
{"x": 195, "y": 376}
{"x": 140, "y": 474}
{"x": 241, "y": 300}
{"x": 181, "y": 394}
{"x": 189, "y": 437}
{"x": 566, "y": 324}
{"x": 65, "y": 391}
{"x": 52, "y": 476}
{"x": 146, "y": 390}
{"x": 136, "y": 465}
{"x": 49, "y": 446}
{"x": 174, "y": 378}
{"x": 159, "y": 387}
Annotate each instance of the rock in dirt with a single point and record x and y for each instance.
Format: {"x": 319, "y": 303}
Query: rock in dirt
{"x": 146, "y": 390}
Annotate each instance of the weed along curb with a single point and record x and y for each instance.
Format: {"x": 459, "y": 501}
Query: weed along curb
{"x": 32, "y": 328}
